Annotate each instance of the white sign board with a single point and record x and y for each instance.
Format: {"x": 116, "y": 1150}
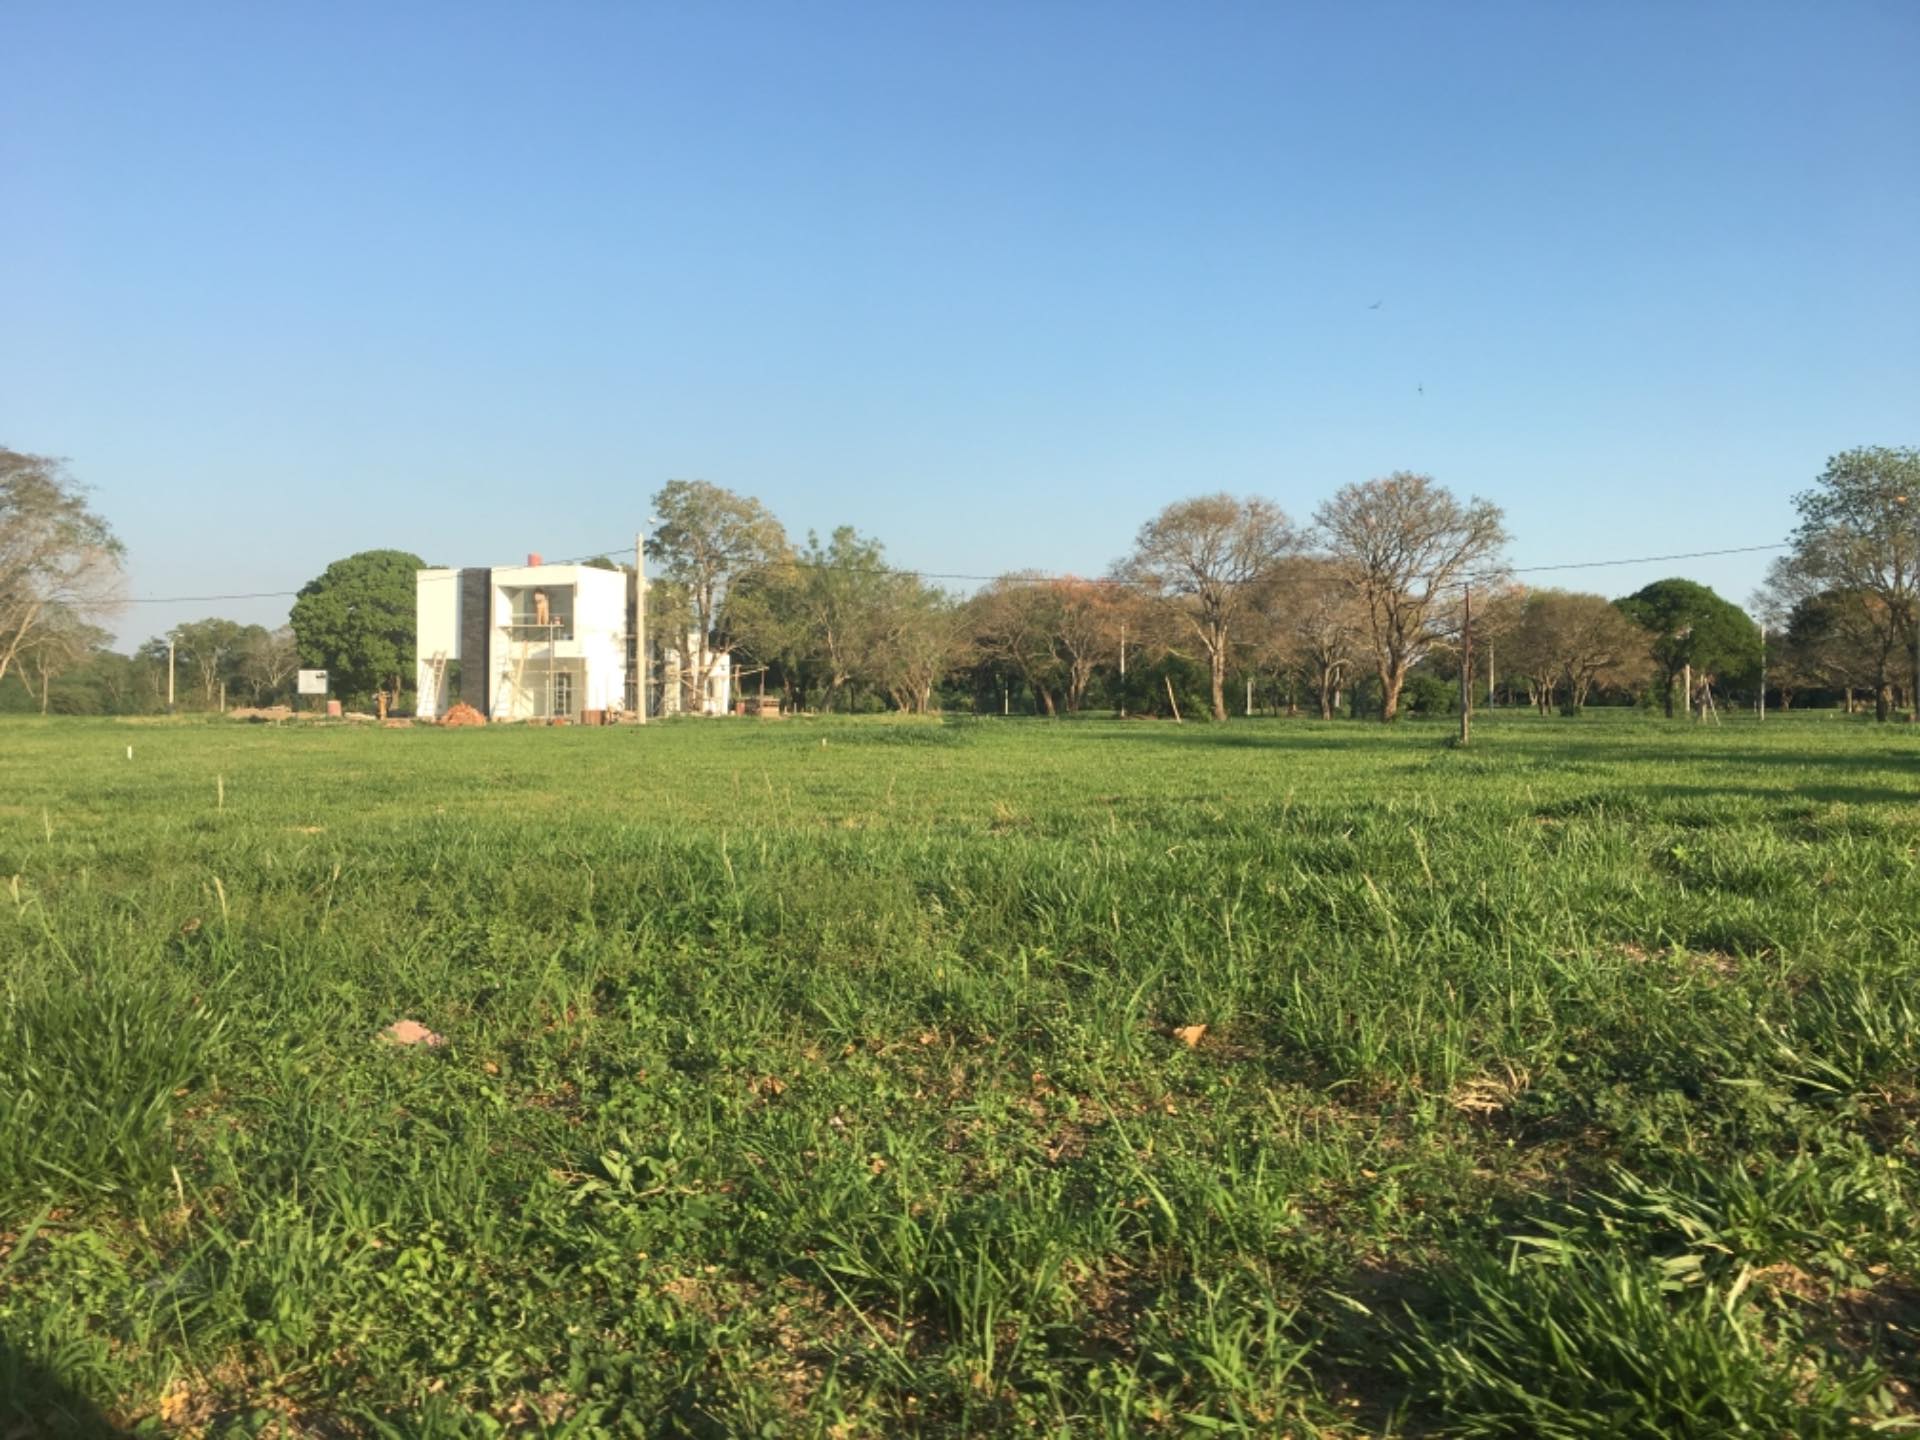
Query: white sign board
{"x": 313, "y": 682}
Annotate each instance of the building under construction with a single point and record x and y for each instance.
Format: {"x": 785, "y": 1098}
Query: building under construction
{"x": 539, "y": 641}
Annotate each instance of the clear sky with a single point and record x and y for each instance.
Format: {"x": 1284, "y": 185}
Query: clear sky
{"x": 991, "y": 281}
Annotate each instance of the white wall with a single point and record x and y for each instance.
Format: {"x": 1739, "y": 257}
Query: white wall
{"x": 436, "y": 609}
{"x": 595, "y": 655}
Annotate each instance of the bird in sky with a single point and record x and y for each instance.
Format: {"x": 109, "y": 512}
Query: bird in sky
{"x": 1376, "y": 305}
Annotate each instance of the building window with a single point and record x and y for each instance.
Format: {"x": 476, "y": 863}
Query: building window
{"x": 563, "y": 693}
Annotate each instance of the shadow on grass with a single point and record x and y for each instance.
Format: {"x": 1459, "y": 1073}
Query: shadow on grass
{"x": 36, "y": 1403}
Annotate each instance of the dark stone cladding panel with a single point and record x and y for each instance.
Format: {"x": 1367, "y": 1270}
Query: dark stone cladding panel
{"x": 476, "y": 601}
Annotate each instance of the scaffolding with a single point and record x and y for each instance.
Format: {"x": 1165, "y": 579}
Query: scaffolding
{"x": 525, "y": 637}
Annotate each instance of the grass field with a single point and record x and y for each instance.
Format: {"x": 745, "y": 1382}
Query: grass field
{"x": 826, "y": 1079}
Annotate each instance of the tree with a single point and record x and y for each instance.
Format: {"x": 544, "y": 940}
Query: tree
{"x": 1859, "y": 534}
{"x": 211, "y": 650}
{"x": 1569, "y": 642}
{"x": 1834, "y": 639}
{"x": 708, "y": 542}
{"x": 1690, "y": 628}
{"x": 61, "y": 641}
{"x": 1202, "y": 558}
{"x": 839, "y": 593}
{"x": 57, "y": 558}
{"x": 268, "y": 660}
{"x": 1087, "y": 616}
{"x": 1317, "y": 626}
{"x": 923, "y": 639}
{"x": 1013, "y": 622}
{"x": 1403, "y": 544}
{"x": 356, "y": 621}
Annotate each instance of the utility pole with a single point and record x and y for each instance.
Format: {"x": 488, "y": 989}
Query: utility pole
{"x": 1123, "y": 669}
{"x": 169, "y": 674}
{"x": 640, "y": 666}
{"x": 1763, "y": 672}
{"x": 1491, "y": 702}
{"x": 1466, "y": 670}
{"x": 1249, "y": 697}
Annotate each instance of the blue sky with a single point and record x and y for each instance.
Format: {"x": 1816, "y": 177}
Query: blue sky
{"x": 992, "y": 282}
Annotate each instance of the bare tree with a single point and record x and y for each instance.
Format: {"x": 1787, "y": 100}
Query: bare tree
{"x": 1569, "y": 642}
{"x": 1204, "y": 557}
{"x": 1318, "y": 627}
{"x": 708, "y": 542}
{"x": 57, "y": 558}
{"x": 268, "y": 661}
{"x": 1403, "y": 543}
{"x": 57, "y": 644}
{"x": 209, "y": 650}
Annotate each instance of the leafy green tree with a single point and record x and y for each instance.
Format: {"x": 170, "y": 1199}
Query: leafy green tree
{"x": 708, "y": 543}
{"x": 56, "y": 652}
{"x": 356, "y": 621}
{"x": 1859, "y": 534}
{"x": 1837, "y": 639}
{"x": 924, "y": 640}
{"x": 839, "y": 593}
{"x": 1689, "y": 626}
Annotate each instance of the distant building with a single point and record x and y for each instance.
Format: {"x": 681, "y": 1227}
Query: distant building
{"x": 537, "y": 641}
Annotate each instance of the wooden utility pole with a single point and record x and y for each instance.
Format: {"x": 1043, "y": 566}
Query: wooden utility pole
{"x": 1763, "y": 672}
{"x": 1123, "y": 669}
{"x": 169, "y": 675}
{"x": 1466, "y": 670}
{"x": 1249, "y": 697}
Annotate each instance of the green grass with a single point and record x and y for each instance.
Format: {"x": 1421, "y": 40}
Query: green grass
{"x": 820, "y": 1079}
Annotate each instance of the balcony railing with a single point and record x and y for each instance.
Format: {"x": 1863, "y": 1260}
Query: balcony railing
{"x": 558, "y": 628}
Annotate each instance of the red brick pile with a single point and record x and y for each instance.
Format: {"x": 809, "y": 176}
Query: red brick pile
{"x": 463, "y": 714}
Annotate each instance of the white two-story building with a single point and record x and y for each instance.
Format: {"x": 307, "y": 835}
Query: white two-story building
{"x": 539, "y": 641}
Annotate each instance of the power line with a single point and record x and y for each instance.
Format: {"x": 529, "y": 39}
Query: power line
{"x": 1034, "y": 577}
{"x": 1640, "y": 559}
{"x": 600, "y": 554}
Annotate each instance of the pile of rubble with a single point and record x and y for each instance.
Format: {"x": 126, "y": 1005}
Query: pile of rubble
{"x": 463, "y": 714}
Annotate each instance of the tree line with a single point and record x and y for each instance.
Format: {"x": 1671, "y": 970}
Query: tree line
{"x": 1360, "y": 608}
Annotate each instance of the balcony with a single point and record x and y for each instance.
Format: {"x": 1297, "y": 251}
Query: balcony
{"x": 535, "y": 614}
